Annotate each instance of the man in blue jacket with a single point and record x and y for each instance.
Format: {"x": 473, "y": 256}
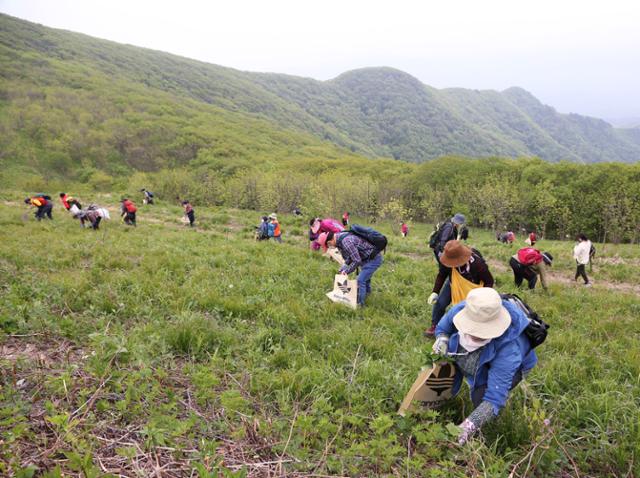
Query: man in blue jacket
{"x": 484, "y": 334}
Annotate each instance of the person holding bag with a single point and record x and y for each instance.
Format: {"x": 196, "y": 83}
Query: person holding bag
{"x": 485, "y": 335}
{"x": 357, "y": 253}
{"x": 461, "y": 269}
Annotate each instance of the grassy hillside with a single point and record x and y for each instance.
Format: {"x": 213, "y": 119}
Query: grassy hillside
{"x": 203, "y": 353}
{"x": 375, "y": 111}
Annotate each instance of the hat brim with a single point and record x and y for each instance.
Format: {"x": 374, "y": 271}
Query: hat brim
{"x": 482, "y": 330}
{"x": 458, "y": 261}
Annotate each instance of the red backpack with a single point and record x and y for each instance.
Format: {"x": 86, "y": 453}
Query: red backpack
{"x": 528, "y": 256}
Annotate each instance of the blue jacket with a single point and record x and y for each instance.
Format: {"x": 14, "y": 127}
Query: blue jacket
{"x": 271, "y": 229}
{"x": 500, "y": 359}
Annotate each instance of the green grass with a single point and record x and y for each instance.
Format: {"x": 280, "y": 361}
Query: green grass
{"x": 206, "y": 349}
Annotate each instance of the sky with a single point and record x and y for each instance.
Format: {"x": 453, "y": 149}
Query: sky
{"x": 577, "y": 56}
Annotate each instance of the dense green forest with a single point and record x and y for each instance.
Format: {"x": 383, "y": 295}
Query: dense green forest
{"x": 375, "y": 111}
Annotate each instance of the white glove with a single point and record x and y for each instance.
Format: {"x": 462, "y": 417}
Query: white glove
{"x": 440, "y": 345}
{"x": 467, "y": 428}
{"x": 432, "y": 298}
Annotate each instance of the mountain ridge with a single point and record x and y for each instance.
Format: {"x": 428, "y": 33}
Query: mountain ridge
{"x": 373, "y": 111}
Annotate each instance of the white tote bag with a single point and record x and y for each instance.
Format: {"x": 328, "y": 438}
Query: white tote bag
{"x": 344, "y": 291}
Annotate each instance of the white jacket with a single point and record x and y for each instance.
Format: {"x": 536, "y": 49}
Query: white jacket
{"x": 581, "y": 252}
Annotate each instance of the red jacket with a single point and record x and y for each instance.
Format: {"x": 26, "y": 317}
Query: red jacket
{"x": 129, "y": 206}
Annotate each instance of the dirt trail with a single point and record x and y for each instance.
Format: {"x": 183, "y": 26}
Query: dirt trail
{"x": 568, "y": 281}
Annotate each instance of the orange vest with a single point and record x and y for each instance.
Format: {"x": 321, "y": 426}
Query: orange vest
{"x": 276, "y": 231}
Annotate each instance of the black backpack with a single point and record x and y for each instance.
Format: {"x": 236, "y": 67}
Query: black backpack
{"x": 537, "y": 329}
{"x": 377, "y": 239}
{"x": 434, "y": 238}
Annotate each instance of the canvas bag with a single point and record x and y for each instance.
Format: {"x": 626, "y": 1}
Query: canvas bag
{"x": 432, "y": 388}
{"x": 344, "y": 291}
{"x": 460, "y": 286}
{"x": 335, "y": 254}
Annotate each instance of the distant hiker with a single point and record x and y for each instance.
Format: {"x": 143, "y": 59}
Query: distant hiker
{"x": 148, "y": 196}
{"x": 188, "y": 212}
{"x": 357, "y": 252}
{"x": 317, "y": 226}
{"x": 297, "y": 211}
{"x": 262, "y": 231}
{"x": 446, "y": 232}
{"x": 506, "y": 237}
{"x": 274, "y": 228}
{"x": 70, "y": 203}
{"x": 460, "y": 269}
{"x": 529, "y": 263}
{"x": 404, "y": 229}
{"x": 485, "y": 336}
{"x": 43, "y": 204}
{"x": 128, "y": 211}
{"x": 582, "y": 255}
{"x": 345, "y": 219}
{"x": 532, "y": 239}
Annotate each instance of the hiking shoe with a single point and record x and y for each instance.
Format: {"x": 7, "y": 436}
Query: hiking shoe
{"x": 588, "y": 284}
{"x": 430, "y": 332}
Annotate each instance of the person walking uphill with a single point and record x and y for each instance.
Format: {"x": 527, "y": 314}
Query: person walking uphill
{"x": 128, "y": 211}
{"x": 357, "y": 252}
{"x": 460, "y": 269}
{"x": 485, "y": 336}
{"x": 43, "y": 204}
{"x": 582, "y": 255}
{"x": 404, "y": 229}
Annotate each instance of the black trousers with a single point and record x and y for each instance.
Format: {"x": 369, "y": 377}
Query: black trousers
{"x": 192, "y": 217}
{"x": 44, "y": 211}
{"x": 581, "y": 272}
{"x": 130, "y": 218}
{"x": 521, "y": 272}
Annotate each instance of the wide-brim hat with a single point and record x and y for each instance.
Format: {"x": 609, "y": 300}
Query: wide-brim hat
{"x": 483, "y": 315}
{"x": 273, "y": 216}
{"x": 455, "y": 254}
{"x": 322, "y": 240}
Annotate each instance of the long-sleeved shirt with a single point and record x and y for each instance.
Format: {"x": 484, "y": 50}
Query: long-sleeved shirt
{"x": 355, "y": 251}
{"x": 581, "y": 252}
{"x": 476, "y": 271}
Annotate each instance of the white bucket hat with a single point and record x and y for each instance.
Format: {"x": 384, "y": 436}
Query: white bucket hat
{"x": 483, "y": 315}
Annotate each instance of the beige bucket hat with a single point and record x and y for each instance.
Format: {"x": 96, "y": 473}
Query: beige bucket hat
{"x": 483, "y": 315}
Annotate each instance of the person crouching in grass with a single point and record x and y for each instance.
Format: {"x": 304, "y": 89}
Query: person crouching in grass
{"x": 485, "y": 336}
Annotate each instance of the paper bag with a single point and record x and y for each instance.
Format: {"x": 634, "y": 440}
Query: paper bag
{"x": 335, "y": 254}
{"x": 344, "y": 291}
{"x": 432, "y": 387}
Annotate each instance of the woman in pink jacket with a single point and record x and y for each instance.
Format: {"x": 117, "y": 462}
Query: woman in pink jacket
{"x": 317, "y": 226}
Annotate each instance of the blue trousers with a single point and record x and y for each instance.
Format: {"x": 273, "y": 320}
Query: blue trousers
{"x": 364, "y": 278}
{"x": 440, "y": 307}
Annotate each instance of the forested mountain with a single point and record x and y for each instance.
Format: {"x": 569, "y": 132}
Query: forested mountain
{"x": 67, "y": 98}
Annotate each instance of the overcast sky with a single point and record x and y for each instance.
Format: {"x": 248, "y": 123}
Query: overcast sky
{"x": 577, "y": 56}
